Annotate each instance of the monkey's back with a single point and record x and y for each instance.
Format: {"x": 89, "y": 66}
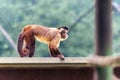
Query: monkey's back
{"x": 42, "y": 33}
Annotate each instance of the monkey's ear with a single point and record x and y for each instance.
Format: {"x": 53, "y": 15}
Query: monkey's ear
{"x": 64, "y": 27}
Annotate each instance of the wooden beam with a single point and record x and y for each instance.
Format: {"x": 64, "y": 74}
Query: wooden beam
{"x": 70, "y": 62}
{"x": 42, "y": 62}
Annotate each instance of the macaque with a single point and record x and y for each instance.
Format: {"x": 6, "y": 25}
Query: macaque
{"x": 51, "y": 36}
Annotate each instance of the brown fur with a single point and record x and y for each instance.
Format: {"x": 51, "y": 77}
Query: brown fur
{"x": 50, "y": 36}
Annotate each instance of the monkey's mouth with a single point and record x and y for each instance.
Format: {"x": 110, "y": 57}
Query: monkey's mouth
{"x": 62, "y": 39}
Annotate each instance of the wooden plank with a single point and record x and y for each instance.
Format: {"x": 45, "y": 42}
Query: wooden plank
{"x": 47, "y": 62}
{"x": 47, "y": 74}
{"x": 36, "y": 62}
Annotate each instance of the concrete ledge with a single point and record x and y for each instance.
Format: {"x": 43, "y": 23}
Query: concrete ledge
{"x": 37, "y": 62}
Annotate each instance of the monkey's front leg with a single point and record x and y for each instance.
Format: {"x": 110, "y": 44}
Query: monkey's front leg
{"x": 54, "y": 51}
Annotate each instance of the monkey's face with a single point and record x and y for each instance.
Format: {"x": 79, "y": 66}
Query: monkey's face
{"x": 63, "y": 31}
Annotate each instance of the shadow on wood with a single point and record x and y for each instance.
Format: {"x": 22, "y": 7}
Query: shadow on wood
{"x": 47, "y": 74}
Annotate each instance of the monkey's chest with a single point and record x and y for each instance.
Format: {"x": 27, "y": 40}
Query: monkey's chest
{"x": 41, "y": 39}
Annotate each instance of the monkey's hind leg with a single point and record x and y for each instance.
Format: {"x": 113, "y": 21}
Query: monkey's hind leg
{"x": 30, "y": 44}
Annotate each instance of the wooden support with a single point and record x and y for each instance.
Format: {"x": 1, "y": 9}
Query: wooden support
{"x": 43, "y": 62}
{"x": 73, "y": 68}
{"x": 45, "y": 69}
{"x": 70, "y": 62}
{"x": 104, "y": 36}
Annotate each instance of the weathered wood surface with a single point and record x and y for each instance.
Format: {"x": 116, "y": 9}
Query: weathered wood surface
{"x": 40, "y": 62}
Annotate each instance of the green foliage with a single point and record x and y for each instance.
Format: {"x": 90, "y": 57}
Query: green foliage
{"x": 14, "y": 14}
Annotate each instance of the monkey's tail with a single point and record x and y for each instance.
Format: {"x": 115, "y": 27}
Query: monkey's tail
{"x": 20, "y": 43}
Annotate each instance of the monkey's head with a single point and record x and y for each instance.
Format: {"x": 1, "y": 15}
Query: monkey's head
{"x": 63, "y": 31}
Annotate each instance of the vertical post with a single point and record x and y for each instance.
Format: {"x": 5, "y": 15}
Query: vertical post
{"x": 103, "y": 35}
